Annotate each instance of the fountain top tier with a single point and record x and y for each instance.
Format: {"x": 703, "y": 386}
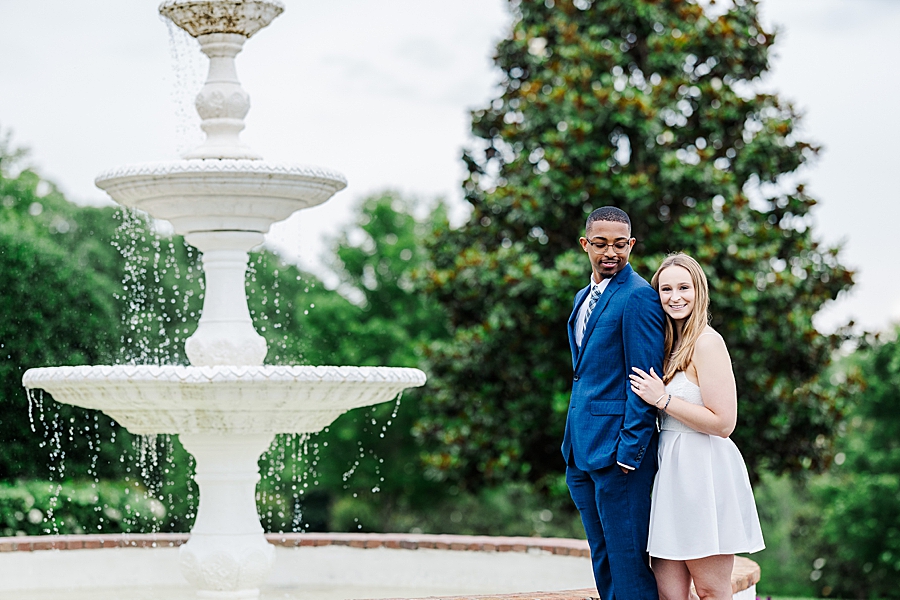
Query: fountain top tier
{"x": 203, "y": 17}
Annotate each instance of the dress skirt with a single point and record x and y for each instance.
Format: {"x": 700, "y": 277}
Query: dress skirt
{"x": 702, "y": 503}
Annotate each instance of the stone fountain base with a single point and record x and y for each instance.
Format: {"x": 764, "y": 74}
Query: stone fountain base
{"x": 226, "y": 417}
{"x": 317, "y": 565}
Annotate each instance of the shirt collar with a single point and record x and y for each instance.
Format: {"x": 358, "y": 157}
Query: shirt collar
{"x": 602, "y": 285}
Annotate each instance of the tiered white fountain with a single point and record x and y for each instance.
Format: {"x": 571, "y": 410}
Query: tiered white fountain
{"x": 226, "y": 407}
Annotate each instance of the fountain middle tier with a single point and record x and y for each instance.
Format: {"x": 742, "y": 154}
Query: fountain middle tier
{"x": 223, "y": 399}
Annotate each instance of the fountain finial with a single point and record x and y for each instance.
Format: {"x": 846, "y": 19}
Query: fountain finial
{"x": 222, "y": 27}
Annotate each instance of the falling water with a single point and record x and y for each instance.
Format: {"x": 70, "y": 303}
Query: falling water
{"x": 57, "y": 455}
{"x": 157, "y": 470}
{"x": 95, "y": 444}
{"x": 290, "y": 473}
{"x": 290, "y": 469}
{"x": 52, "y": 432}
{"x": 57, "y": 468}
{"x": 161, "y": 299}
{"x": 35, "y": 404}
{"x": 188, "y": 69}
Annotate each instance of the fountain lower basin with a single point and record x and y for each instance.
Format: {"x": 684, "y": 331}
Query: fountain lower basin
{"x": 226, "y": 417}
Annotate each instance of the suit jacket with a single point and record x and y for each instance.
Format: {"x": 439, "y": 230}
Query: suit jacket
{"x": 607, "y": 422}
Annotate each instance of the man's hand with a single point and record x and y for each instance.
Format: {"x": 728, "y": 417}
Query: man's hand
{"x": 624, "y": 470}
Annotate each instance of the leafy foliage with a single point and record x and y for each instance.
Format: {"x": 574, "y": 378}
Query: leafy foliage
{"x": 786, "y": 511}
{"x": 645, "y": 105}
{"x": 56, "y": 267}
{"x": 41, "y": 508}
{"x": 378, "y": 261}
{"x": 363, "y": 470}
{"x": 857, "y": 541}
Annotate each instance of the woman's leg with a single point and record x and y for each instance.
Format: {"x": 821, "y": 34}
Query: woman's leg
{"x": 672, "y": 578}
{"x": 712, "y": 576}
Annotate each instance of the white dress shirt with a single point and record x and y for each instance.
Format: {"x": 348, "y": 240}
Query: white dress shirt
{"x": 582, "y": 310}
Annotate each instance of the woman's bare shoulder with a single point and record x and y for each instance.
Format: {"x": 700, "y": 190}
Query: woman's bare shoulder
{"x": 710, "y": 345}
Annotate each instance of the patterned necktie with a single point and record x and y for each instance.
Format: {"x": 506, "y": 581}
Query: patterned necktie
{"x": 595, "y": 295}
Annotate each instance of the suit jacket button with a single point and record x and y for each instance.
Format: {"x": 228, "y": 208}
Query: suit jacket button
{"x": 576, "y": 378}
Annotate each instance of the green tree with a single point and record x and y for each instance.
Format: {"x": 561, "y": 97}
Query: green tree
{"x": 786, "y": 509}
{"x": 58, "y": 309}
{"x": 646, "y": 105}
{"x": 855, "y": 533}
{"x": 365, "y": 466}
{"x": 378, "y": 263}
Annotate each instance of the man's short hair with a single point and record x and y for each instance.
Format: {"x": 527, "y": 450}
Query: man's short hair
{"x": 608, "y": 213}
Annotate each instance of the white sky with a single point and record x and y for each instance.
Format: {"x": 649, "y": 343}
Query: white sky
{"x": 381, "y": 90}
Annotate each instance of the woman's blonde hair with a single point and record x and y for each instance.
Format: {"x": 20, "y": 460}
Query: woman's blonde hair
{"x": 696, "y": 322}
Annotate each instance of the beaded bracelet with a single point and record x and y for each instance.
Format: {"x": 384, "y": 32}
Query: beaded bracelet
{"x": 667, "y": 403}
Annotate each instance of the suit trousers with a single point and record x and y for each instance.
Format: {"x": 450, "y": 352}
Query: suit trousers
{"x": 615, "y": 511}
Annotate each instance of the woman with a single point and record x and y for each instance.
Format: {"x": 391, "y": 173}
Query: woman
{"x": 703, "y": 511}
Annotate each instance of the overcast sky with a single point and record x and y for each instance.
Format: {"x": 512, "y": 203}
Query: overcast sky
{"x": 381, "y": 91}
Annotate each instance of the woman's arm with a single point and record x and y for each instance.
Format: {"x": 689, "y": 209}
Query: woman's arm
{"x": 717, "y": 387}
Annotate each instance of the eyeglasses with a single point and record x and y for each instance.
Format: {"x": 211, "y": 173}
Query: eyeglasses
{"x": 620, "y": 247}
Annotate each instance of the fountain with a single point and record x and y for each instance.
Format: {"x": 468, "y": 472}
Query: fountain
{"x": 226, "y": 407}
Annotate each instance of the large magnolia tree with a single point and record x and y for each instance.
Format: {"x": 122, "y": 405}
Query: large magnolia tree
{"x": 648, "y": 105}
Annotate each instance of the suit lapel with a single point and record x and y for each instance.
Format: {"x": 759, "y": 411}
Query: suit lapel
{"x": 611, "y": 288}
{"x": 579, "y": 299}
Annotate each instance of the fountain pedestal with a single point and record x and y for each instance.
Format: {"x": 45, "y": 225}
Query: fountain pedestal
{"x": 227, "y": 555}
{"x": 225, "y": 334}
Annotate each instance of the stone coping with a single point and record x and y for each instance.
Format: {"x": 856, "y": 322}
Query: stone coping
{"x": 407, "y": 541}
{"x": 746, "y": 572}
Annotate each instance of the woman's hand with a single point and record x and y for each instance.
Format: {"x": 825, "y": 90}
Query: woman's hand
{"x": 648, "y": 386}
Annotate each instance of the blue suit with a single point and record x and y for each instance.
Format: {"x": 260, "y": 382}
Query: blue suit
{"x": 609, "y": 425}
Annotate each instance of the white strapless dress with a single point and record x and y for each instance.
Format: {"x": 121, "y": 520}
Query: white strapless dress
{"x": 702, "y": 502}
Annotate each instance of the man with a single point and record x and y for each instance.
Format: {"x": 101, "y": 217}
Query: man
{"x": 611, "y": 440}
